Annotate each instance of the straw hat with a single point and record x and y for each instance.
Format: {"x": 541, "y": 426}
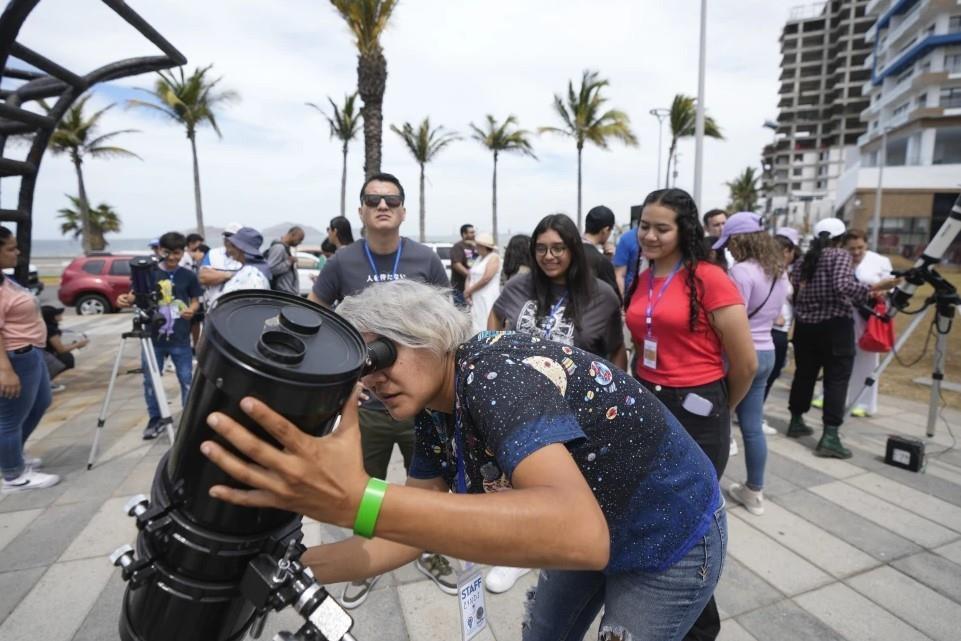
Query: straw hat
{"x": 485, "y": 240}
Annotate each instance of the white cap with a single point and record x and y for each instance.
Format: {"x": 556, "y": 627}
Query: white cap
{"x": 233, "y": 228}
{"x": 833, "y": 227}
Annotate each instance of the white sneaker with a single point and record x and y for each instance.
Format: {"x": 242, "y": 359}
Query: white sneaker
{"x": 733, "y": 447}
{"x": 767, "y": 429}
{"x": 751, "y": 499}
{"x": 30, "y": 480}
{"x": 502, "y": 578}
{"x": 33, "y": 462}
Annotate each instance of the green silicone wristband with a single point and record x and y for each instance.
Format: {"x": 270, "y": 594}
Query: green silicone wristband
{"x": 369, "y": 508}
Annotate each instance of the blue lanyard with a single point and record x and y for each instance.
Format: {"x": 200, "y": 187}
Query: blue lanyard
{"x": 550, "y": 320}
{"x": 651, "y": 301}
{"x": 373, "y": 267}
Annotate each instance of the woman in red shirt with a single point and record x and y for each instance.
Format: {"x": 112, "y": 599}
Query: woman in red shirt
{"x": 688, "y": 320}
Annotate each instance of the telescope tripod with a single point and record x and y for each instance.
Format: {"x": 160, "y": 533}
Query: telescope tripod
{"x": 947, "y": 304}
{"x": 141, "y": 333}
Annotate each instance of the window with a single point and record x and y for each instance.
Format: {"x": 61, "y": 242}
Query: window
{"x": 93, "y": 266}
{"x": 947, "y": 146}
{"x": 120, "y": 268}
{"x": 796, "y": 171}
{"x": 904, "y": 75}
{"x": 921, "y": 101}
{"x": 951, "y": 97}
{"x": 795, "y": 186}
{"x": 897, "y": 153}
{"x": 900, "y": 109}
{"x": 952, "y": 62}
{"x": 798, "y": 157}
{"x": 954, "y": 23}
{"x": 819, "y": 184}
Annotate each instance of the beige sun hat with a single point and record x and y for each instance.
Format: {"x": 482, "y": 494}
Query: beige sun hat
{"x": 485, "y": 240}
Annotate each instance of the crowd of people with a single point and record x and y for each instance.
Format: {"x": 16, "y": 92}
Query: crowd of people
{"x": 590, "y": 378}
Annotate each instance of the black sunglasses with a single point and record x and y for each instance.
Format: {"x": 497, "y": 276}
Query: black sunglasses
{"x": 373, "y": 200}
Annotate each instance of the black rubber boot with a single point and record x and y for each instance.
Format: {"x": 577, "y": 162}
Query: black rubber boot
{"x": 798, "y": 428}
{"x": 830, "y": 445}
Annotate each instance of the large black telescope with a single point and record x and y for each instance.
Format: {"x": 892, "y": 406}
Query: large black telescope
{"x": 206, "y": 570}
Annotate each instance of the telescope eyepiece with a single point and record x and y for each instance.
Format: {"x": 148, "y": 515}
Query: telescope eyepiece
{"x": 381, "y": 354}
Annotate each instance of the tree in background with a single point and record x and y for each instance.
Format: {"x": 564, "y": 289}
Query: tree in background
{"x": 367, "y": 20}
{"x": 190, "y": 101}
{"x": 424, "y": 144}
{"x": 344, "y": 125}
{"x": 497, "y": 137}
{"x": 585, "y": 121}
{"x": 101, "y": 220}
{"x": 683, "y": 120}
{"x": 76, "y": 136}
{"x": 743, "y": 191}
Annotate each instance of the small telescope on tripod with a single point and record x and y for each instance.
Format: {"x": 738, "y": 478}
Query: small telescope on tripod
{"x": 206, "y": 570}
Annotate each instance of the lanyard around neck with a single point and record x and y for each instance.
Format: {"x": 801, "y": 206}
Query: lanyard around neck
{"x": 373, "y": 266}
{"x": 651, "y": 301}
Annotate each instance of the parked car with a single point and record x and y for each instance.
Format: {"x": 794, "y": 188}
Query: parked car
{"x": 443, "y": 252}
{"x": 33, "y": 279}
{"x": 93, "y": 283}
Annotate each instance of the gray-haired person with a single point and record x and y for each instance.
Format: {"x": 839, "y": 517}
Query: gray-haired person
{"x": 573, "y": 466}
{"x": 383, "y": 256}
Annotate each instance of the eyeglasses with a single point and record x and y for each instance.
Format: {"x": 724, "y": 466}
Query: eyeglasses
{"x": 373, "y": 200}
{"x": 555, "y": 250}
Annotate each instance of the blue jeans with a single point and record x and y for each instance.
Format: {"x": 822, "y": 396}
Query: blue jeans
{"x": 638, "y": 606}
{"x": 19, "y": 416}
{"x": 750, "y": 414}
{"x": 182, "y": 358}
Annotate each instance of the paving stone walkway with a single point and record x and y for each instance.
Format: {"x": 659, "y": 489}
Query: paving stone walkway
{"x": 847, "y": 550}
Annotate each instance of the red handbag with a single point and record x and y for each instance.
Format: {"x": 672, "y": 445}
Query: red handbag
{"x": 878, "y": 334}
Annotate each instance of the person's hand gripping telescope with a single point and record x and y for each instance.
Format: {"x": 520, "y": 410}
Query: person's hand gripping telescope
{"x": 320, "y": 477}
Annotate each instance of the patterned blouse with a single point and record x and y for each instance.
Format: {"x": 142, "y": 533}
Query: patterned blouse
{"x": 832, "y": 290}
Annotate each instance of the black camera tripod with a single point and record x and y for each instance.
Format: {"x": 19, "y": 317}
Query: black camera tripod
{"x": 140, "y": 332}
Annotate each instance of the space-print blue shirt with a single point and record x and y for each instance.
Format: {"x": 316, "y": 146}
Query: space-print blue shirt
{"x": 518, "y": 393}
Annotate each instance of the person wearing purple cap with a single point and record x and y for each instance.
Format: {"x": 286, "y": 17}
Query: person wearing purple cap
{"x": 759, "y": 275}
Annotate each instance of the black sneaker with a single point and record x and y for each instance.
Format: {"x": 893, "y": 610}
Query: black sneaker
{"x": 437, "y": 568}
{"x": 154, "y": 429}
{"x": 356, "y": 592}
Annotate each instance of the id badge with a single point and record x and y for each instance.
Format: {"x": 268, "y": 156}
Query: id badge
{"x": 470, "y": 597}
{"x": 650, "y": 353}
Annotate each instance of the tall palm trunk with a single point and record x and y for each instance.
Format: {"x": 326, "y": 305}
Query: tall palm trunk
{"x": 494, "y": 200}
{"x": 423, "y": 207}
{"x": 343, "y": 184}
{"x": 371, "y": 83}
{"x": 200, "y": 210}
{"x": 580, "y": 149}
{"x": 84, "y": 205}
{"x": 670, "y": 159}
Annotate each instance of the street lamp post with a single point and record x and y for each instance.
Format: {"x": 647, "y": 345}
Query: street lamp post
{"x": 699, "y": 119}
{"x": 882, "y": 160}
{"x": 660, "y": 113}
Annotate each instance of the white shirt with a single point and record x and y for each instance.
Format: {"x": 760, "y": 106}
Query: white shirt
{"x": 873, "y": 268}
{"x": 218, "y": 259}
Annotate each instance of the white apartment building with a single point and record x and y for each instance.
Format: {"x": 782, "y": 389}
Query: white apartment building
{"x": 913, "y": 124}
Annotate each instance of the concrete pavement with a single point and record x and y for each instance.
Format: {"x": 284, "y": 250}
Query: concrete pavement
{"x": 847, "y": 550}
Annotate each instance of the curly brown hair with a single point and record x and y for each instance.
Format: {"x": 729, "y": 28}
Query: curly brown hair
{"x": 760, "y": 247}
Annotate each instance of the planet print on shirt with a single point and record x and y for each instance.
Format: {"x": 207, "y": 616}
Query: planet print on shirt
{"x": 601, "y": 373}
{"x": 551, "y": 369}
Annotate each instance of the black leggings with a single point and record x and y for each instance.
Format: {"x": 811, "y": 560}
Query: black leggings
{"x": 780, "y": 357}
{"x": 829, "y": 346}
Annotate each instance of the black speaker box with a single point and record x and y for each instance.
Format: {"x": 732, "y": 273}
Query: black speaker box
{"x": 906, "y": 453}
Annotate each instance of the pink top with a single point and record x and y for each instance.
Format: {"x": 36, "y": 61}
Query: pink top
{"x": 20, "y": 321}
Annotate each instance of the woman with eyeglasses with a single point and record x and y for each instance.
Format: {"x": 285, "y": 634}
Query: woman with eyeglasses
{"x": 690, "y": 327}
{"x": 559, "y": 300}
{"x": 339, "y": 232}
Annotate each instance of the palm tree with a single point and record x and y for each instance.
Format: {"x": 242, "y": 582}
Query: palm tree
{"x": 743, "y": 191}
{"x": 424, "y": 144}
{"x": 75, "y": 135}
{"x": 682, "y": 120}
{"x": 585, "y": 122}
{"x": 100, "y": 221}
{"x": 499, "y": 137}
{"x": 367, "y": 20}
{"x": 344, "y": 124}
{"x": 190, "y": 101}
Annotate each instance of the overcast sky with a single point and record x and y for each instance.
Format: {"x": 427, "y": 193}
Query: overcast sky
{"x": 454, "y": 61}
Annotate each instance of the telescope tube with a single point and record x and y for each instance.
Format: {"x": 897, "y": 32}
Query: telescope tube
{"x": 193, "y": 550}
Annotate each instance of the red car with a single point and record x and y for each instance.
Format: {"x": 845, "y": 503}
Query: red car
{"x": 92, "y": 283}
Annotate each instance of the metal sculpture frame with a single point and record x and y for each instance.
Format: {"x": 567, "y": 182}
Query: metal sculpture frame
{"x": 53, "y": 82}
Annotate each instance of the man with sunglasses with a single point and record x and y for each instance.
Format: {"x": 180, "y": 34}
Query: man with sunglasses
{"x": 383, "y": 255}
